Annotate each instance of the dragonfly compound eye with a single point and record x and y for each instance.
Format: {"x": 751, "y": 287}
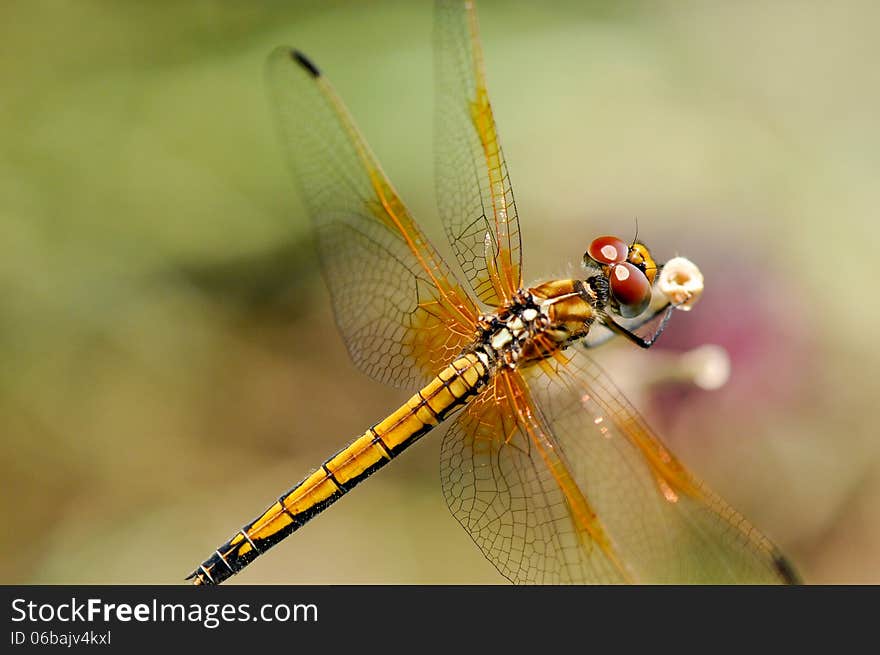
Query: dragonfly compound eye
{"x": 630, "y": 289}
{"x": 606, "y": 251}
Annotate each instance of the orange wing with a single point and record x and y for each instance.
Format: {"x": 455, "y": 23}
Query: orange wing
{"x": 558, "y": 479}
{"x": 474, "y": 195}
{"x": 507, "y": 486}
{"x": 401, "y": 312}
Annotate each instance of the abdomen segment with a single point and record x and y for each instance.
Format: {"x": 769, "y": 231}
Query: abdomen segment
{"x": 452, "y": 388}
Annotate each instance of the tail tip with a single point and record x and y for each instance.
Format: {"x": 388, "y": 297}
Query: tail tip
{"x": 200, "y": 577}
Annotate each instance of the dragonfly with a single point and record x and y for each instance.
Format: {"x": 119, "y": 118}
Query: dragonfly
{"x": 549, "y": 468}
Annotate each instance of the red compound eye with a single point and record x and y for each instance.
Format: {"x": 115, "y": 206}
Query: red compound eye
{"x": 608, "y": 250}
{"x": 630, "y": 290}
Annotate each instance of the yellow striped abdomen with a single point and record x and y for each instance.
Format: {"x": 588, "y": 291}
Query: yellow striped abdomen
{"x": 452, "y": 388}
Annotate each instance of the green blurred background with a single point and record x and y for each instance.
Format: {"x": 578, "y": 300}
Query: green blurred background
{"x": 168, "y": 360}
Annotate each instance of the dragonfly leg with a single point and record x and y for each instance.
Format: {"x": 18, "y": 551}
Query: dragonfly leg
{"x": 635, "y": 338}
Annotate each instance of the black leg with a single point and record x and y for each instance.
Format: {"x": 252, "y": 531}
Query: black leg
{"x": 636, "y": 339}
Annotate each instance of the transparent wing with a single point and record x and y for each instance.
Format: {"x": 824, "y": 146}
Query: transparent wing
{"x": 662, "y": 522}
{"x": 474, "y": 194}
{"x": 508, "y": 489}
{"x": 400, "y": 310}
{"x": 557, "y": 479}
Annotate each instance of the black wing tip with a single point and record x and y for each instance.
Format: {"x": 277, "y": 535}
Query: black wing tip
{"x": 786, "y": 570}
{"x": 305, "y": 62}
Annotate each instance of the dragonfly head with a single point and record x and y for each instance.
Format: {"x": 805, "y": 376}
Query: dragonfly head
{"x": 629, "y": 269}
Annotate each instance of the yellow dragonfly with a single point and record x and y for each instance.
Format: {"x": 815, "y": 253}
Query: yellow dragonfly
{"x": 552, "y": 472}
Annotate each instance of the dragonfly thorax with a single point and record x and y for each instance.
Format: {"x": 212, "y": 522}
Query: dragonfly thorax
{"x": 537, "y": 322}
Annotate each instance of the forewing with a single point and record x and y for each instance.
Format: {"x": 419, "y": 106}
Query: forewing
{"x": 558, "y": 480}
{"x": 661, "y": 521}
{"x": 474, "y": 194}
{"x": 399, "y": 309}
